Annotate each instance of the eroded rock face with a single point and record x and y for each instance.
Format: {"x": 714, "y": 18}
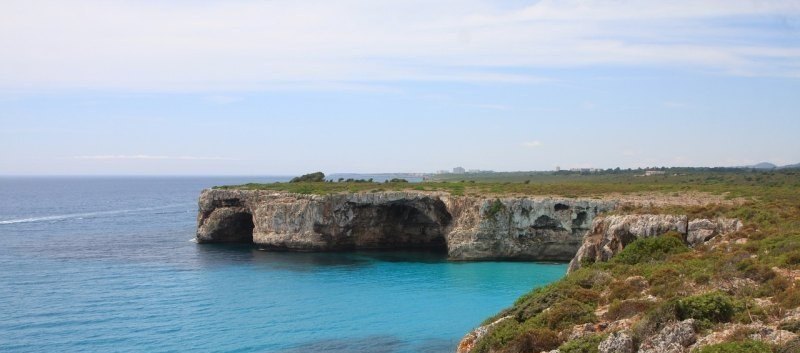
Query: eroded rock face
{"x": 702, "y": 230}
{"x": 673, "y": 338}
{"x": 610, "y": 234}
{"x": 469, "y": 228}
{"x": 617, "y": 342}
{"x": 519, "y": 228}
{"x": 468, "y": 342}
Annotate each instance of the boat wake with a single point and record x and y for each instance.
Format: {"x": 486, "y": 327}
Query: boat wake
{"x": 88, "y": 214}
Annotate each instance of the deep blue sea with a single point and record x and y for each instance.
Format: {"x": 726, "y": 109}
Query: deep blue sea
{"x": 107, "y": 265}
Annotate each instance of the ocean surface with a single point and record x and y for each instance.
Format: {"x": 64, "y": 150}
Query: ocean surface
{"x": 107, "y": 265}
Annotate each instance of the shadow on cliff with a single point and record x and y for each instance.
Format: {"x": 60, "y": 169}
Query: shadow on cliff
{"x": 373, "y": 344}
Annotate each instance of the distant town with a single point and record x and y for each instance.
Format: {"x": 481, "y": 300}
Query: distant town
{"x": 462, "y": 170}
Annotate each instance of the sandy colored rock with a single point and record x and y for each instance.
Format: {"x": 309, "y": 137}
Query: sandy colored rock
{"x": 468, "y": 228}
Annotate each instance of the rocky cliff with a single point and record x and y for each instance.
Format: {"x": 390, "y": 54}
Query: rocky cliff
{"x": 468, "y": 228}
{"x": 610, "y": 234}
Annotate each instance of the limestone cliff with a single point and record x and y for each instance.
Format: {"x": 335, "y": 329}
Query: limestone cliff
{"x": 468, "y": 228}
{"x": 610, "y": 234}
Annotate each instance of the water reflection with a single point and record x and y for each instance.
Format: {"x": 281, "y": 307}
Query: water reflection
{"x": 211, "y": 255}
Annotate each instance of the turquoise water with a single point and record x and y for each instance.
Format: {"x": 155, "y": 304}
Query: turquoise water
{"x": 106, "y": 264}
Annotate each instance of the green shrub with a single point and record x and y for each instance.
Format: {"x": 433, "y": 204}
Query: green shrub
{"x": 736, "y": 347}
{"x": 710, "y": 307}
{"x": 542, "y": 298}
{"x": 755, "y": 271}
{"x": 627, "y": 308}
{"x": 793, "y": 258}
{"x": 791, "y": 326}
{"x": 500, "y": 335}
{"x": 586, "y": 344}
{"x": 496, "y": 207}
{"x": 627, "y": 289}
{"x": 650, "y": 249}
{"x": 312, "y": 177}
{"x": 667, "y": 283}
{"x": 789, "y": 298}
{"x": 535, "y": 340}
{"x": 565, "y": 314}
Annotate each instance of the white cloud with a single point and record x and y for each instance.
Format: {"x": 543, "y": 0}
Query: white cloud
{"x": 150, "y": 157}
{"x": 256, "y": 45}
{"x": 532, "y": 144}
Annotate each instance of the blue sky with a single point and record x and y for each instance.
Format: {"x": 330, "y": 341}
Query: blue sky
{"x": 285, "y": 87}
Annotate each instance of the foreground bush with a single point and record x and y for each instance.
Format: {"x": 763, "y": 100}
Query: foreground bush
{"x": 586, "y": 344}
{"x": 650, "y": 249}
{"x": 710, "y": 307}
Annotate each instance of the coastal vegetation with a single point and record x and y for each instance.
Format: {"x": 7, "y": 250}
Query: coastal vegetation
{"x": 312, "y": 177}
{"x": 745, "y": 279}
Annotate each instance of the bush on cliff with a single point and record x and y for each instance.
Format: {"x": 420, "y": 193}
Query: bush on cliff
{"x": 737, "y": 347}
{"x": 565, "y": 314}
{"x": 588, "y": 344}
{"x": 535, "y": 340}
{"x": 709, "y": 308}
{"x": 312, "y": 177}
{"x": 650, "y": 249}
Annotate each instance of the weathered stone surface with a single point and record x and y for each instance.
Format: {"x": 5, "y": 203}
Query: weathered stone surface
{"x": 519, "y": 228}
{"x": 469, "y": 228}
{"x": 468, "y": 342}
{"x": 702, "y": 230}
{"x": 617, "y": 342}
{"x": 673, "y": 338}
{"x": 610, "y": 234}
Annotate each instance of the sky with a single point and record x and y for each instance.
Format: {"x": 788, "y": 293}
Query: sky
{"x": 245, "y": 87}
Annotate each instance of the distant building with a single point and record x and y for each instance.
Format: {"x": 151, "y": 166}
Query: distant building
{"x": 459, "y": 170}
{"x": 654, "y": 172}
{"x": 558, "y": 168}
{"x": 441, "y": 171}
{"x": 474, "y": 171}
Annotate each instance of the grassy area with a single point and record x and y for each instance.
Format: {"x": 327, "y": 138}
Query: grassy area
{"x": 734, "y": 183}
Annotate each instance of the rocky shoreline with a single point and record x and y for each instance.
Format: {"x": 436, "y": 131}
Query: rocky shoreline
{"x": 467, "y": 228}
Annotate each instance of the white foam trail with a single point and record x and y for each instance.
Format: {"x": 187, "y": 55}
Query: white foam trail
{"x": 193, "y": 240}
{"x": 88, "y": 214}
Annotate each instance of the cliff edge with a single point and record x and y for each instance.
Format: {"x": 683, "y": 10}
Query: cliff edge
{"x": 467, "y": 228}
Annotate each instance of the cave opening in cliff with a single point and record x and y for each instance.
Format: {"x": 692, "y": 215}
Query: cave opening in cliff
{"x": 235, "y": 228}
{"x": 402, "y": 225}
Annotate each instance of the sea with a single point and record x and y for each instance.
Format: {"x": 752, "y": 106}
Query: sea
{"x": 108, "y": 264}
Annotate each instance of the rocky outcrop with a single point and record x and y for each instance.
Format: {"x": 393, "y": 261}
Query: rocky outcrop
{"x": 468, "y": 342}
{"x": 617, "y": 342}
{"x": 610, "y": 234}
{"x": 468, "y": 228}
{"x": 699, "y": 231}
{"x": 675, "y": 337}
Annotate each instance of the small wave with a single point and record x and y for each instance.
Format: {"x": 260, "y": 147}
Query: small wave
{"x": 87, "y": 214}
{"x": 193, "y": 240}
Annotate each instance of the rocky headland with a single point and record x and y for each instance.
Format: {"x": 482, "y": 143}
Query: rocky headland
{"x": 467, "y": 228}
